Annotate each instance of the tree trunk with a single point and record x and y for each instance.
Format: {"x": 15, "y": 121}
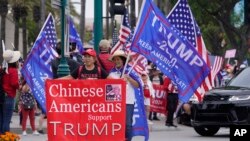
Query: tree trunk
{"x": 3, "y": 26}
{"x": 3, "y": 12}
{"x": 107, "y": 19}
{"x": 132, "y": 14}
{"x": 42, "y": 12}
{"x": 24, "y": 21}
{"x": 82, "y": 20}
{"x": 167, "y": 7}
{"x": 16, "y": 36}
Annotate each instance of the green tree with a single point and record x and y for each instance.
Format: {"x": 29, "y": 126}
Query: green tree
{"x": 216, "y": 19}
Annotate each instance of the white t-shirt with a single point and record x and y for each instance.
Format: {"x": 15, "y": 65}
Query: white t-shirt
{"x": 130, "y": 93}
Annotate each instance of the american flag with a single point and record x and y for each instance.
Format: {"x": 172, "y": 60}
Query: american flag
{"x": 216, "y": 62}
{"x": 138, "y": 61}
{"x": 182, "y": 18}
{"x": 49, "y": 30}
{"x": 115, "y": 35}
{"x": 124, "y": 33}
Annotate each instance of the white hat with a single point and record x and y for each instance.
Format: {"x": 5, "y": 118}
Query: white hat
{"x": 120, "y": 53}
{"x": 11, "y": 56}
{"x": 104, "y": 44}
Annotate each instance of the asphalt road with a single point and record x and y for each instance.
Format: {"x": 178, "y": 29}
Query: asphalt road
{"x": 159, "y": 133}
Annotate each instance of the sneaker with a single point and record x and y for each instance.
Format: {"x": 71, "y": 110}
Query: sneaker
{"x": 24, "y": 133}
{"x": 35, "y": 133}
{"x": 171, "y": 125}
{"x": 150, "y": 122}
{"x": 156, "y": 118}
{"x": 41, "y": 131}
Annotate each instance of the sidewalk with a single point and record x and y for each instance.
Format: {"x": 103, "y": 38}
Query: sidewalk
{"x": 16, "y": 128}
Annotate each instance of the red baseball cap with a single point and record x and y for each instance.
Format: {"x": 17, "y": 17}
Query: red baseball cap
{"x": 90, "y": 52}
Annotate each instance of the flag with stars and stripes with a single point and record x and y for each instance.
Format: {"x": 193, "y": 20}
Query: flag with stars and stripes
{"x": 36, "y": 68}
{"x": 165, "y": 46}
{"x": 124, "y": 34}
{"x": 216, "y": 64}
{"x": 138, "y": 61}
{"x": 49, "y": 31}
{"x": 182, "y": 18}
{"x": 115, "y": 35}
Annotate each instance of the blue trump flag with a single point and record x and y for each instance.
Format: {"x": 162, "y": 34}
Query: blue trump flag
{"x": 165, "y": 46}
{"x": 37, "y": 68}
{"x": 74, "y": 36}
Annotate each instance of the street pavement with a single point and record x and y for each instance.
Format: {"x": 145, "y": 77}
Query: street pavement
{"x": 159, "y": 132}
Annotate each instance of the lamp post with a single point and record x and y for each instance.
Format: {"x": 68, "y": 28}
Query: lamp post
{"x": 63, "y": 68}
{"x": 97, "y": 24}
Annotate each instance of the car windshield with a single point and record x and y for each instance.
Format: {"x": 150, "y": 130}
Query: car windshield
{"x": 242, "y": 79}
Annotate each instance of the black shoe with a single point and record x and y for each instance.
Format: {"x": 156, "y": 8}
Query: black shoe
{"x": 170, "y": 125}
{"x": 41, "y": 131}
{"x": 156, "y": 118}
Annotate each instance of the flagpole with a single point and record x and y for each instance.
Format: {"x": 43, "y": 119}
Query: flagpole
{"x": 4, "y": 63}
{"x": 126, "y": 63}
{"x": 137, "y": 59}
{"x": 63, "y": 68}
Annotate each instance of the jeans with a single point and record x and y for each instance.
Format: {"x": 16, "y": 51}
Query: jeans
{"x": 172, "y": 101}
{"x": 1, "y": 118}
{"x": 8, "y": 109}
{"x": 129, "y": 121}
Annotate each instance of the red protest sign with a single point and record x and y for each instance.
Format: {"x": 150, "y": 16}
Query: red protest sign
{"x": 158, "y": 104}
{"x": 85, "y": 110}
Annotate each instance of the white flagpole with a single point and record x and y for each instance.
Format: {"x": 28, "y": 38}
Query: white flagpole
{"x": 126, "y": 63}
{"x": 3, "y": 45}
{"x": 13, "y": 46}
{"x": 137, "y": 59}
{"x": 4, "y": 63}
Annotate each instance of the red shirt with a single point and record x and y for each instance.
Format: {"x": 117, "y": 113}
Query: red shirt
{"x": 10, "y": 82}
{"x": 170, "y": 86}
{"x": 105, "y": 62}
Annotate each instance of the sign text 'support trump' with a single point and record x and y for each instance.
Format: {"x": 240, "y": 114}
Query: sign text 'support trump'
{"x": 86, "y": 110}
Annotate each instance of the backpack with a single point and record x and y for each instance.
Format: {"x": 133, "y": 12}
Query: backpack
{"x": 2, "y": 93}
{"x": 28, "y": 101}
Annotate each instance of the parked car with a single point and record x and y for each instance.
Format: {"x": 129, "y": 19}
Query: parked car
{"x": 222, "y": 107}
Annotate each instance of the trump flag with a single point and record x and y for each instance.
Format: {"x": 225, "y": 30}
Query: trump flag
{"x": 165, "y": 46}
{"x": 36, "y": 68}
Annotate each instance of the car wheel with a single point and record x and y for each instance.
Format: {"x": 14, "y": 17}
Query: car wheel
{"x": 206, "y": 130}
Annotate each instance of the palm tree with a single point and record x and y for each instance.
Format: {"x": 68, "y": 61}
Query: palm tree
{"x": 21, "y": 9}
{"x": 132, "y": 14}
{"x": 82, "y": 20}
{"x": 3, "y": 13}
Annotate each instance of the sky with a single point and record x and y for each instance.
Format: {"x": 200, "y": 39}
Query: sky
{"x": 89, "y": 7}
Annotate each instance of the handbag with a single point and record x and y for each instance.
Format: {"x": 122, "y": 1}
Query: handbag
{"x": 28, "y": 106}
